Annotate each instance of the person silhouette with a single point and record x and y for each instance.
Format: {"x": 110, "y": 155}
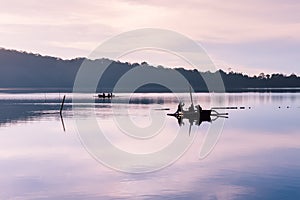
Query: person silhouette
{"x": 179, "y": 108}
{"x": 199, "y": 109}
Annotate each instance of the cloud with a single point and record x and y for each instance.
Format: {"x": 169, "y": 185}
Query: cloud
{"x": 74, "y": 28}
{"x": 233, "y": 20}
{"x": 203, "y": 20}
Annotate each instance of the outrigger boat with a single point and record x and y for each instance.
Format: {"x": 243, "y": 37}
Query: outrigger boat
{"x": 195, "y": 114}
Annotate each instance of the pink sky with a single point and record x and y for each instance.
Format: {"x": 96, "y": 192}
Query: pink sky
{"x": 248, "y": 36}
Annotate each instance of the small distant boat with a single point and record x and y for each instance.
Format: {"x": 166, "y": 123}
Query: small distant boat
{"x": 108, "y": 95}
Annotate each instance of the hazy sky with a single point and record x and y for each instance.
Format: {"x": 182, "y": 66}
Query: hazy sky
{"x": 246, "y": 35}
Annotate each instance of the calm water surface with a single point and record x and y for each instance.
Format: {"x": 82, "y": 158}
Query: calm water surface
{"x": 256, "y": 157}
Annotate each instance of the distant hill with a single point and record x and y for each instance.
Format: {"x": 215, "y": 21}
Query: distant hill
{"x": 27, "y": 70}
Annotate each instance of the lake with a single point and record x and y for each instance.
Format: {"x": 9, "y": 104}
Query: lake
{"x": 252, "y": 154}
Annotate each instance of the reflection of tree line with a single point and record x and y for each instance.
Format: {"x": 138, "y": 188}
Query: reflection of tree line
{"x": 240, "y": 98}
{"x": 148, "y": 101}
{"x": 16, "y": 111}
{"x": 137, "y": 100}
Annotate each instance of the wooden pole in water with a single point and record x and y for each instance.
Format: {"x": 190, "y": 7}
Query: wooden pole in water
{"x": 62, "y": 105}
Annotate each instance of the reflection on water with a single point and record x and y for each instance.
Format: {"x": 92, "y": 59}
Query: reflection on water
{"x": 257, "y": 156}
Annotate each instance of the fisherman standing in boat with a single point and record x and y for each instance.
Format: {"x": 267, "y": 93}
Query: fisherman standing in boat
{"x": 179, "y": 108}
{"x": 199, "y": 109}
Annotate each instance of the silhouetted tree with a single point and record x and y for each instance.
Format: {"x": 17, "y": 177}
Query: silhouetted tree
{"x": 21, "y": 69}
